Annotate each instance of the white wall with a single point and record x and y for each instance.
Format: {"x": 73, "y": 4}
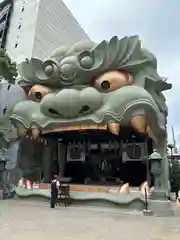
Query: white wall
{"x": 23, "y": 36}
{"x": 44, "y": 26}
{"x": 55, "y": 26}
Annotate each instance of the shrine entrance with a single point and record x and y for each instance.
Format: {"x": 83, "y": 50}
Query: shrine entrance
{"x": 90, "y": 157}
{"x": 106, "y": 169}
{"x": 101, "y": 158}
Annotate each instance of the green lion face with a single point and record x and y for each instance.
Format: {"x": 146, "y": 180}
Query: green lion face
{"x": 93, "y": 86}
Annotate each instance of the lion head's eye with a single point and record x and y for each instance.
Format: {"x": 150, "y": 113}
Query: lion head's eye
{"x": 37, "y": 92}
{"x": 105, "y": 84}
{"x": 112, "y": 80}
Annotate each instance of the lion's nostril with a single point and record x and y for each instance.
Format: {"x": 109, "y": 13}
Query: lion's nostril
{"x": 52, "y": 111}
{"x": 84, "y": 109}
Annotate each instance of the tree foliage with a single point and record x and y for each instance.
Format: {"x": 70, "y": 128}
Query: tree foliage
{"x": 174, "y": 173}
{"x": 8, "y": 69}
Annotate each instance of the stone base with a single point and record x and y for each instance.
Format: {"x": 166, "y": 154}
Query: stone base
{"x": 173, "y": 196}
{"x": 159, "y": 195}
{"x": 1, "y": 194}
{"x": 161, "y": 208}
{"x": 148, "y": 212}
{"x": 101, "y": 197}
{"x": 159, "y": 204}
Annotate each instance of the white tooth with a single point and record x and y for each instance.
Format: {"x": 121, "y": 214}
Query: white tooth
{"x": 178, "y": 200}
{"x": 151, "y": 134}
{"x": 27, "y": 136}
{"x": 114, "y": 128}
{"x": 35, "y": 133}
{"x": 144, "y": 188}
{"x": 139, "y": 123}
{"x": 124, "y": 189}
{"x": 178, "y": 203}
{"x": 21, "y": 130}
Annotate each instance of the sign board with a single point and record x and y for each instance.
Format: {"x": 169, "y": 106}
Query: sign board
{"x": 76, "y": 153}
{"x": 134, "y": 152}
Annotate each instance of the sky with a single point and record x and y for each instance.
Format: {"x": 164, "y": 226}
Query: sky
{"x": 157, "y": 22}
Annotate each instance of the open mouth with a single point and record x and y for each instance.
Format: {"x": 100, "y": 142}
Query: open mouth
{"x": 95, "y": 143}
{"x": 89, "y": 145}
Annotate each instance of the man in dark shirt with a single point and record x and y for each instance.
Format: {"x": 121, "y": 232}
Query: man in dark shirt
{"x": 54, "y": 191}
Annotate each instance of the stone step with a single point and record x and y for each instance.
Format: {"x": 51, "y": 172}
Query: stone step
{"x": 161, "y": 208}
{"x": 1, "y": 194}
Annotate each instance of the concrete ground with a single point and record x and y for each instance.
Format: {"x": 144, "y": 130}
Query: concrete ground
{"x": 23, "y": 219}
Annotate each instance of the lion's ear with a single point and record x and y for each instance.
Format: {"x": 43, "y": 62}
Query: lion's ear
{"x": 147, "y": 78}
{"x": 140, "y": 79}
{"x": 26, "y": 70}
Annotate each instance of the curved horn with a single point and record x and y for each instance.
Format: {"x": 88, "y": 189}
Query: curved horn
{"x": 144, "y": 187}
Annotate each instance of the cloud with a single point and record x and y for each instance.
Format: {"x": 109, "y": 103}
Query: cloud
{"x": 157, "y": 24}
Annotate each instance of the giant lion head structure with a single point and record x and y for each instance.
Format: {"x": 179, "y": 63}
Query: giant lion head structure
{"x": 100, "y": 85}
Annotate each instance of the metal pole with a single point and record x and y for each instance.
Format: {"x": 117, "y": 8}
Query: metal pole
{"x": 171, "y": 154}
{"x": 146, "y": 200}
{"x": 173, "y": 135}
{"x": 147, "y": 172}
{"x": 147, "y": 163}
{"x": 147, "y": 175}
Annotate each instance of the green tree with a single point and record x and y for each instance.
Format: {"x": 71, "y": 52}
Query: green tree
{"x": 8, "y": 68}
{"x": 174, "y": 172}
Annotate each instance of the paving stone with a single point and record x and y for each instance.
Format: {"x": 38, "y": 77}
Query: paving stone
{"x": 25, "y": 220}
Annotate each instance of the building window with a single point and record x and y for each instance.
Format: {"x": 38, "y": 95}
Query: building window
{"x": 16, "y": 45}
{"x": 5, "y": 110}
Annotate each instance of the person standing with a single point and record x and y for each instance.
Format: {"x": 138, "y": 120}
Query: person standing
{"x": 54, "y": 191}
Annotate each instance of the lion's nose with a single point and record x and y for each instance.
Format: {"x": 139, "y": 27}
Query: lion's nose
{"x": 71, "y": 103}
